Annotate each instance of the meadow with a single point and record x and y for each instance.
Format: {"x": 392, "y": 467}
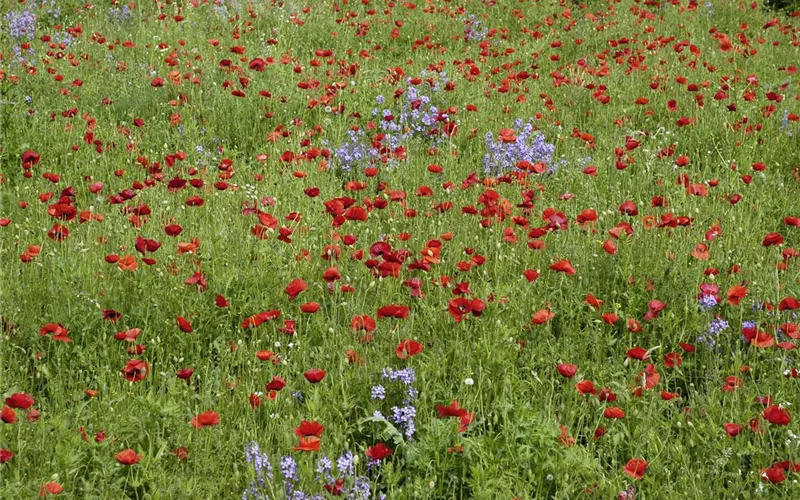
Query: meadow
{"x": 306, "y": 249}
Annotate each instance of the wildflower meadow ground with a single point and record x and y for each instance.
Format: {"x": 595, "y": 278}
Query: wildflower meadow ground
{"x": 393, "y": 249}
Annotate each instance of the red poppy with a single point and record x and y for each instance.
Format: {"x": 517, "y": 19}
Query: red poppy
{"x": 50, "y": 488}
{"x": 128, "y": 335}
{"x": 672, "y": 360}
{"x": 454, "y": 410}
{"x": 181, "y": 453}
{"x": 567, "y": 370}
{"x": 772, "y": 239}
{"x": 638, "y": 353}
{"x": 206, "y": 419}
{"x": 735, "y": 294}
{"x": 542, "y": 316}
{"x": 732, "y": 383}
{"x": 407, "y": 348}
{"x": 607, "y": 395}
{"x": 30, "y": 158}
{"x": 636, "y": 468}
{"x": 276, "y": 384}
{"x": 315, "y": 375}
{"x": 614, "y": 412}
{"x": 464, "y": 421}
{"x": 5, "y": 455}
{"x": 776, "y": 415}
{"x": 393, "y": 311}
{"x": 309, "y": 428}
{"x": 732, "y": 430}
{"x": 530, "y": 275}
{"x": 128, "y": 457}
{"x": 185, "y": 373}
{"x": 136, "y": 370}
{"x": 20, "y": 400}
{"x": 295, "y": 287}
{"x": 221, "y": 301}
{"x": 773, "y": 475}
{"x": 111, "y": 315}
{"x": 262, "y": 317}
{"x": 378, "y": 452}
{"x": 8, "y": 415}
{"x": 789, "y": 304}
{"x": 669, "y": 396}
{"x": 634, "y": 326}
{"x": 364, "y": 322}
{"x": 184, "y": 325}
{"x": 563, "y": 266}
{"x": 336, "y": 488}
{"x": 586, "y": 387}
{"x": 308, "y": 443}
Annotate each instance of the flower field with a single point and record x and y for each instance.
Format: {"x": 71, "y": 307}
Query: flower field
{"x": 368, "y": 249}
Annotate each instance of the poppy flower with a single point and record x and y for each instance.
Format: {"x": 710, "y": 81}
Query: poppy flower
{"x": 542, "y": 316}
{"x": 20, "y": 400}
{"x": 378, "y": 452}
{"x": 649, "y": 378}
{"x": 111, "y": 315}
{"x": 586, "y": 387}
{"x": 636, "y": 468}
{"x": 614, "y": 412}
{"x": 776, "y": 415}
{"x": 265, "y": 355}
{"x": 454, "y": 410}
{"x": 309, "y": 428}
{"x": 789, "y": 304}
{"x": 732, "y": 383}
{"x": 732, "y": 430}
{"x": 567, "y": 370}
{"x": 315, "y": 375}
{"x": 563, "y": 266}
{"x": 276, "y": 384}
{"x": 308, "y": 443}
{"x": 458, "y": 308}
{"x": 364, "y": 322}
{"x": 128, "y": 335}
{"x": 669, "y": 396}
{"x": 206, "y": 419}
{"x": 530, "y": 275}
{"x": 135, "y": 370}
{"x": 336, "y": 488}
{"x": 735, "y": 294}
{"x": 8, "y": 415}
{"x": 181, "y": 453}
{"x": 30, "y": 158}
{"x": 128, "y": 457}
{"x": 50, "y": 488}
{"x": 184, "y": 325}
{"x": 126, "y": 263}
{"x": 393, "y": 311}
{"x": 221, "y": 301}
{"x": 5, "y": 455}
{"x": 638, "y": 353}
{"x": 773, "y": 475}
{"x": 772, "y": 239}
{"x": 633, "y": 325}
{"x": 185, "y": 374}
{"x": 294, "y": 288}
{"x": 672, "y": 360}
{"x": 407, "y": 348}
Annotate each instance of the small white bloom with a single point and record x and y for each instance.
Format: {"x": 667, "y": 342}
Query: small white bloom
{"x": 469, "y": 382}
